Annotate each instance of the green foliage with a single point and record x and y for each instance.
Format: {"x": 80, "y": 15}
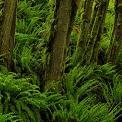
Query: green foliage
{"x": 32, "y": 33}
{"x": 84, "y": 112}
{"x": 79, "y": 103}
{"x": 18, "y": 95}
{"x": 9, "y": 117}
{"x": 90, "y": 95}
{"x": 108, "y": 28}
{"x": 87, "y": 94}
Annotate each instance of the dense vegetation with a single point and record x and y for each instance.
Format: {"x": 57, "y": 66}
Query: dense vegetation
{"x": 60, "y": 60}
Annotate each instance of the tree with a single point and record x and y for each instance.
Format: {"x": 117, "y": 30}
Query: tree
{"x": 85, "y": 31}
{"x": 91, "y": 31}
{"x": 8, "y": 31}
{"x": 116, "y": 42}
{"x": 96, "y": 50}
{"x": 60, "y": 32}
{"x": 72, "y": 18}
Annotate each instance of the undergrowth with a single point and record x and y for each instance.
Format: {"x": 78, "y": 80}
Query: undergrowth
{"x": 86, "y": 94}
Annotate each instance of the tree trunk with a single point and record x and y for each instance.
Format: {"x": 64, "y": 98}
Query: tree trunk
{"x": 75, "y": 5}
{"x": 116, "y": 44}
{"x": 85, "y": 31}
{"x": 8, "y": 31}
{"x": 72, "y": 19}
{"x": 1, "y": 20}
{"x": 95, "y": 54}
{"x": 95, "y": 34}
{"x": 58, "y": 39}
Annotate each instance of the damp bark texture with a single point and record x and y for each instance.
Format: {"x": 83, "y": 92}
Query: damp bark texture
{"x": 58, "y": 38}
{"x": 116, "y": 43}
{"x": 7, "y": 32}
{"x": 85, "y": 31}
{"x": 92, "y": 46}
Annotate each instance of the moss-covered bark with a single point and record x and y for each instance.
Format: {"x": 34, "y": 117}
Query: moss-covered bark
{"x": 72, "y": 19}
{"x": 58, "y": 39}
{"x": 95, "y": 54}
{"x": 116, "y": 42}
{"x": 8, "y": 31}
{"x": 85, "y": 31}
{"x": 1, "y": 19}
{"x": 91, "y": 51}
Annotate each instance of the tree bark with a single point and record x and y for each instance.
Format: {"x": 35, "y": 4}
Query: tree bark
{"x": 74, "y": 8}
{"x": 95, "y": 54}
{"x": 72, "y": 19}
{"x": 93, "y": 43}
{"x": 8, "y": 31}
{"x": 58, "y": 39}
{"x": 1, "y": 20}
{"x": 85, "y": 31}
{"x": 116, "y": 43}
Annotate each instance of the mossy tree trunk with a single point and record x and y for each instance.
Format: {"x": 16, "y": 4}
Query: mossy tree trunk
{"x": 116, "y": 44}
{"x": 58, "y": 38}
{"x": 8, "y": 32}
{"x": 96, "y": 49}
{"x": 85, "y": 31}
{"x": 1, "y": 19}
{"x": 92, "y": 48}
{"x": 74, "y": 8}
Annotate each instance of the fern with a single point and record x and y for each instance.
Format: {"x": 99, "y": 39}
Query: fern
{"x": 9, "y": 117}
{"x": 19, "y": 95}
{"x": 82, "y": 103}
